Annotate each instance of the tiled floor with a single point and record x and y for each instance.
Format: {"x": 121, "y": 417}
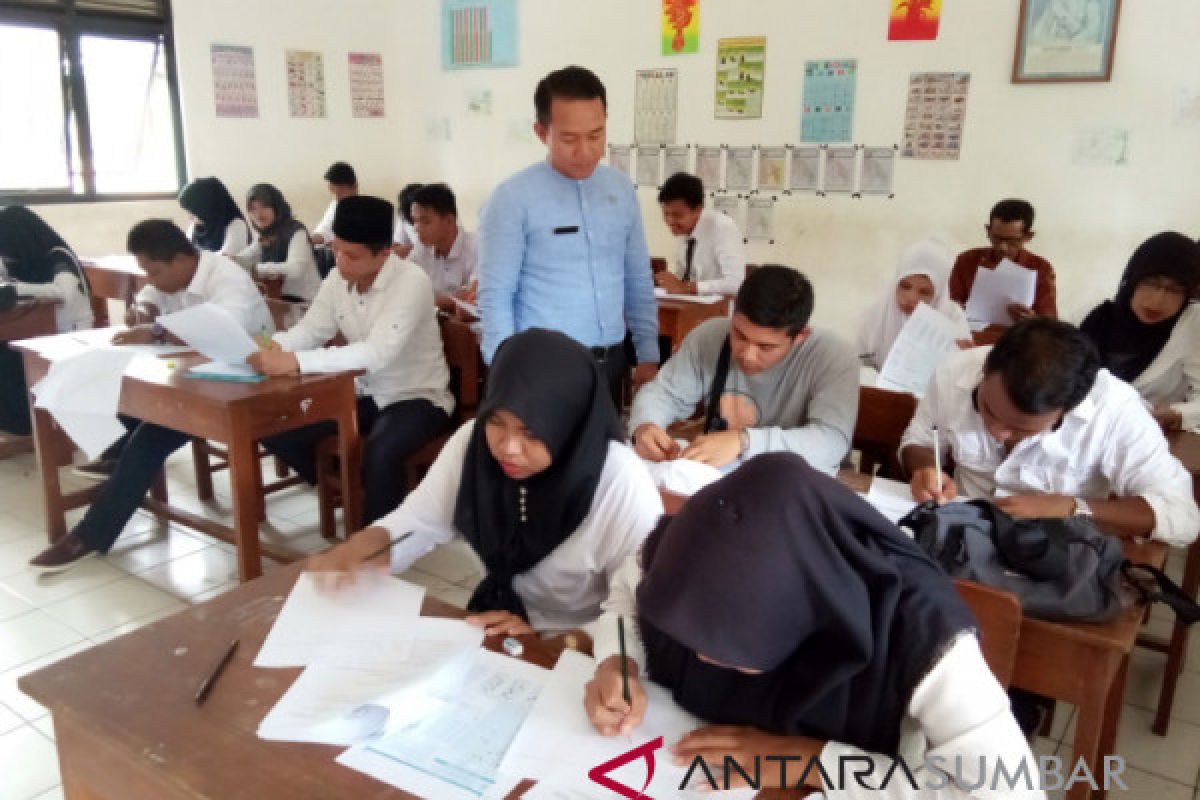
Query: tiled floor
{"x": 153, "y": 572}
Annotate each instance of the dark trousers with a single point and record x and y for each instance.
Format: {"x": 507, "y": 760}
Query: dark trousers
{"x": 614, "y": 365}
{"x": 390, "y": 437}
{"x": 14, "y": 395}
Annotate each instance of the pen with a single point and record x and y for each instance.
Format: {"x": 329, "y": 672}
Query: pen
{"x": 206, "y": 686}
{"x": 937, "y": 460}
{"x": 624, "y": 663}
{"x": 388, "y": 546}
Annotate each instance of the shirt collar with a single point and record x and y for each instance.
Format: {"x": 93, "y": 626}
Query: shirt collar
{"x": 387, "y": 274}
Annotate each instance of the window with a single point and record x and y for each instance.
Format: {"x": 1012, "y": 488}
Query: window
{"x": 92, "y": 108}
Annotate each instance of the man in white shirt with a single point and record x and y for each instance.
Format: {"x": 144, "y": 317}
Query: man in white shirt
{"x": 342, "y": 183}
{"x": 1035, "y": 423}
{"x": 383, "y": 307}
{"x": 447, "y": 253}
{"x": 179, "y": 276}
{"x": 712, "y": 256}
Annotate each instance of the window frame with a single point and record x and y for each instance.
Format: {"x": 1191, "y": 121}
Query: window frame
{"x": 71, "y": 25}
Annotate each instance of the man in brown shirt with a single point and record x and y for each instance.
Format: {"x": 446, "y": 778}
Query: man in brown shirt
{"x": 1009, "y": 229}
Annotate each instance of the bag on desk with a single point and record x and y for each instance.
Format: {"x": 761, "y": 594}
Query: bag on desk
{"x": 1060, "y": 569}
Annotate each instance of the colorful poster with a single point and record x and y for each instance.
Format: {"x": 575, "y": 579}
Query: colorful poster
{"x": 914, "y": 20}
{"x": 676, "y": 158}
{"x": 306, "y": 83}
{"x": 366, "y": 85}
{"x": 806, "y": 169}
{"x": 680, "y": 26}
{"x": 829, "y": 88}
{"x": 772, "y": 168}
{"x": 235, "y": 90}
{"x": 479, "y": 33}
{"x": 655, "y": 102}
{"x": 933, "y": 121}
{"x": 708, "y": 167}
{"x": 741, "y": 76}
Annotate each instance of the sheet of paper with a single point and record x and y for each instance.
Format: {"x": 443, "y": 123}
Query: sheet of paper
{"x": 349, "y": 705}
{"x": 372, "y": 622}
{"x": 225, "y": 372}
{"x": 469, "y": 308}
{"x": 102, "y": 337}
{"x": 995, "y": 289}
{"x": 82, "y": 393}
{"x": 703, "y": 299}
{"x": 455, "y": 736}
{"x": 924, "y": 340}
{"x": 212, "y": 331}
{"x": 891, "y": 498}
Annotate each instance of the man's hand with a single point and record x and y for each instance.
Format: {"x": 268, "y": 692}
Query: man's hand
{"x": 138, "y": 334}
{"x": 274, "y": 362}
{"x": 745, "y": 744}
{"x": 927, "y": 484}
{"x": 1019, "y": 312}
{"x": 643, "y": 374}
{"x": 667, "y": 280}
{"x": 715, "y": 449}
{"x": 1168, "y": 418}
{"x": 1037, "y": 506}
{"x": 654, "y": 444}
{"x": 604, "y": 698}
{"x": 140, "y": 314}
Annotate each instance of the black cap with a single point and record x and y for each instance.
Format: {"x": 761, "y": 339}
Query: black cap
{"x": 364, "y": 220}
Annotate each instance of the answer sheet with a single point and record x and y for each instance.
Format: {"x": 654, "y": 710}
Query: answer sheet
{"x": 212, "y": 331}
{"x": 923, "y": 340}
{"x": 82, "y": 393}
{"x": 995, "y": 289}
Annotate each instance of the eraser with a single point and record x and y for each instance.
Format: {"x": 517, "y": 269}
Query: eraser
{"x": 513, "y": 647}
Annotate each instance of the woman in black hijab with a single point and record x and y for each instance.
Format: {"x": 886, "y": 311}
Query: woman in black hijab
{"x": 283, "y": 248}
{"x": 539, "y": 485}
{"x": 785, "y": 610}
{"x": 1149, "y": 334}
{"x": 220, "y": 226}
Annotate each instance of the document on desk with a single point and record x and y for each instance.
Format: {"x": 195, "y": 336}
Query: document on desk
{"x": 212, "y": 331}
{"x": 923, "y": 342}
{"x": 453, "y": 738}
{"x": 82, "y": 393}
{"x": 103, "y": 337}
{"x": 236, "y": 373}
{"x": 995, "y": 289}
{"x": 891, "y": 498}
{"x": 369, "y": 623}
{"x": 703, "y": 299}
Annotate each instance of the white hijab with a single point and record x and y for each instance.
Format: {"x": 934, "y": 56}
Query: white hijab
{"x": 929, "y": 257}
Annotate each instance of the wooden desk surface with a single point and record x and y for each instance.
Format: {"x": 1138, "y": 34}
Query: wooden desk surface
{"x": 28, "y": 318}
{"x": 117, "y": 262}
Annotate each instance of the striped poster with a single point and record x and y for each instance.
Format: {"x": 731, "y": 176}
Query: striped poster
{"x": 472, "y": 36}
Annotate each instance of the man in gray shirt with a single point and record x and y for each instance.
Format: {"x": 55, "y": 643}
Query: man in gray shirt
{"x": 788, "y": 387}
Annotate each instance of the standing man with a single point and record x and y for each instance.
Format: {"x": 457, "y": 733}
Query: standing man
{"x": 561, "y": 242}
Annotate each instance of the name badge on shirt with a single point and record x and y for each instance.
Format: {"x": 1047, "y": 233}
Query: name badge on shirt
{"x": 566, "y": 229}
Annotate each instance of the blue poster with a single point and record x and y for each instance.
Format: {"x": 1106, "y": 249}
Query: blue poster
{"x": 479, "y": 33}
{"x": 828, "y": 111}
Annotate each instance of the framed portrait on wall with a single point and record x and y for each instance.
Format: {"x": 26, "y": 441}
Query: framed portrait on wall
{"x": 1064, "y": 41}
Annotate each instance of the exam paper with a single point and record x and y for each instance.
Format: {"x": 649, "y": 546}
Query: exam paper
{"x": 82, "y": 393}
{"x": 371, "y": 622}
{"x": 995, "y": 289}
{"x": 212, "y": 331}
{"x": 924, "y": 339}
{"x": 891, "y": 498}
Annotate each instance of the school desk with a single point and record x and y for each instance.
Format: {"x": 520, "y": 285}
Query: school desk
{"x": 26, "y": 319}
{"x": 677, "y": 318}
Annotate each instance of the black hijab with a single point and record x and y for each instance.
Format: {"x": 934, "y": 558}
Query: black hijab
{"x": 277, "y": 236}
{"x": 1127, "y": 345}
{"x": 779, "y": 568}
{"x": 552, "y": 384}
{"x": 33, "y": 252}
{"x": 210, "y": 202}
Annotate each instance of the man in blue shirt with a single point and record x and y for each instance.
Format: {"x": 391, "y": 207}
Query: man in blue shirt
{"x": 561, "y": 242}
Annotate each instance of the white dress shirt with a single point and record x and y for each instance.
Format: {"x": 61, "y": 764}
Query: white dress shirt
{"x": 1109, "y": 443}
{"x": 564, "y": 590}
{"x": 299, "y": 271}
{"x": 957, "y": 711}
{"x": 220, "y": 281}
{"x": 325, "y": 226}
{"x": 719, "y": 260}
{"x": 1173, "y": 377}
{"x": 392, "y": 335}
{"x": 453, "y": 272}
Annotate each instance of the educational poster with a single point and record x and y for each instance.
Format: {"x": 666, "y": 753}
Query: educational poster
{"x": 772, "y": 169}
{"x": 680, "y": 26}
{"x": 1101, "y": 147}
{"x": 739, "y": 169}
{"x": 306, "y": 83}
{"x": 914, "y": 20}
{"x": 676, "y": 158}
{"x": 479, "y": 33}
{"x": 828, "y": 114}
{"x": 840, "y": 166}
{"x": 741, "y": 75}
{"x": 731, "y": 206}
{"x": 806, "y": 169}
{"x": 647, "y": 165}
{"x": 933, "y": 121}
{"x": 366, "y": 84}
{"x": 235, "y": 90}
{"x": 620, "y": 158}
{"x": 708, "y": 167}
{"x": 878, "y": 171}
{"x": 655, "y": 102}
{"x": 760, "y": 219}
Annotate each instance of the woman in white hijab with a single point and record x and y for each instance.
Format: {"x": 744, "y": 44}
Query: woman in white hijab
{"x": 921, "y": 277}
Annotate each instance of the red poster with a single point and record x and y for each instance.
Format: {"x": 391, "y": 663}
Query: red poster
{"x": 914, "y": 20}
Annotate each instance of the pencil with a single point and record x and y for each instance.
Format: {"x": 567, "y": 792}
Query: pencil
{"x": 391, "y": 543}
{"x": 624, "y": 663}
{"x": 937, "y": 460}
{"x": 206, "y": 686}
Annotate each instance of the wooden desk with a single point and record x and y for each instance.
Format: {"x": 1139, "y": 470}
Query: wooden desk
{"x": 271, "y": 286}
{"x": 237, "y": 415}
{"x": 677, "y": 318}
{"x": 116, "y": 277}
{"x": 27, "y": 319}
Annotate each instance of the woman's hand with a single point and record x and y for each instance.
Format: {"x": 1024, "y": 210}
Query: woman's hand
{"x": 500, "y": 623}
{"x": 604, "y": 698}
{"x": 339, "y": 566}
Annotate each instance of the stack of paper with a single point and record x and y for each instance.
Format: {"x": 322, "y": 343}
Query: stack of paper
{"x": 923, "y": 340}
{"x": 215, "y": 333}
{"x": 82, "y": 393}
{"x": 706, "y": 299}
{"x": 995, "y": 289}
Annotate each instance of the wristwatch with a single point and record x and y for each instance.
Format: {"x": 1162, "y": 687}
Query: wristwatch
{"x": 158, "y": 333}
{"x": 1082, "y": 509}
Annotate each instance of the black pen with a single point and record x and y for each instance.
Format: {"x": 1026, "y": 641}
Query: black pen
{"x": 206, "y": 687}
{"x": 624, "y": 663}
{"x": 391, "y": 543}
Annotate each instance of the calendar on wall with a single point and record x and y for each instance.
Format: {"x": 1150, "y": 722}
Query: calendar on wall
{"x": 366, "y": 85}
{"x": 306, "y": 83}
{"x": 235, "y": 89}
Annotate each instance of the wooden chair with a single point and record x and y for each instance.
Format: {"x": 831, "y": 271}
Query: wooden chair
{"x": 999, "y": 616}
{"x": 883, "y": 416}
{"x": 1174, "y": 646}
{"x": 658, "y": 264}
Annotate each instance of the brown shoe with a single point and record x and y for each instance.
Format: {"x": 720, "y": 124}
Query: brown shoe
{"x": 62, "y": 555}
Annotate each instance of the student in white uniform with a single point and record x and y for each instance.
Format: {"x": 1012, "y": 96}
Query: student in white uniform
{"x": 712, "y": 255}
{"x": 921, "y": 277}
{"x": 383, "y": 308}
{"x": 448, "y": 253}
{"x": 217, "y": 222}
{"x": 36, "y": 260}
{"x": 282, "y": 246}
{"x": 539, "y": 485}
{"x": 1036, "y": 423}
{"x": 797, "y": 622}
{"x": 342, "y": 182}
{"x": 178, "y": 276}
{"x": 404, "y": 238}
{"x": 1149, "y": 335}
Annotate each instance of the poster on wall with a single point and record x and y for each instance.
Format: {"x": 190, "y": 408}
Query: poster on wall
{"x": 840, "y": 165}
{"x": 828, "y": 110}
{"x": 1101, "y": 147}
{"x": 772, "y": 169}
{"x": 620, "y": 158}
{"x": 731, "y": 206}
{"x": 741, "y": 76}
{"x": 647, "y": 165}
{"x": 366, "y": 85}
{"x": 760, "y": 219}
{"x": 676, "y": 159}
{"x": 235, "y": 90}
{"x": 1062, "y": 41}
{"x": 739, "y": 169}
{"x": 878, "y": 171}
{"x": 654, "y": 106}
{"x": 914, "y": 20}
{"x": 806, "y": 169}
{"x": 680, "y": 27}
{"x": 933, "y": 120}
{"x": 306, "y": 83}
{"x": 479, "y": 33}
{"x": 708, "y": 167}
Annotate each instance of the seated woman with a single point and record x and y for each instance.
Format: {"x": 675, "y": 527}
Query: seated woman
{"x": 1149, "y": 335}
{"x": 921, "y": 277}
{"x": 217, "y": 222}
{"x": 539, "y": 485}
{"x": 784, "y": 610}
{"x": 40, "y": 264}
{"x": 282, "y": 247}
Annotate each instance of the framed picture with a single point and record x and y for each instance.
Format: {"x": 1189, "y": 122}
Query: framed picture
{"x": 1064, "y": 41}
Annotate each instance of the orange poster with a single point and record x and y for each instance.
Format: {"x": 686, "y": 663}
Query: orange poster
{"x": 680, "y": 26}
{"x": 914, "y": 20}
